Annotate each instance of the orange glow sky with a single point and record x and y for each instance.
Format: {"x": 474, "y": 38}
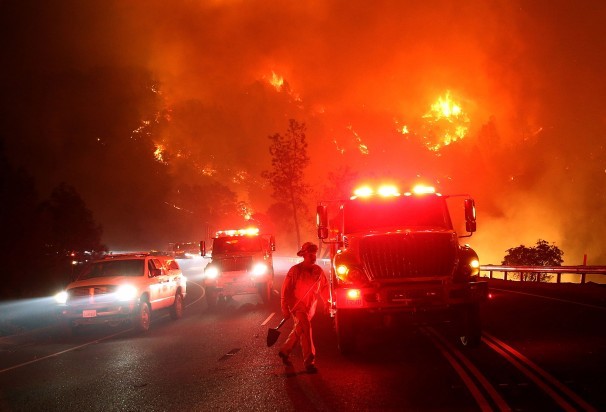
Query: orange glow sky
{"x": 528, "y": 77}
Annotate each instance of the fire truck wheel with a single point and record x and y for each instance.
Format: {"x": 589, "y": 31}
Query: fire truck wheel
{"x": 346, "y": 331}
{"x": 470, "y": 327}
{"x": 265, "y": 291}
{"x": 211, "y": 298}
{"x": 176, "y": 310}
{"x": 142, "y": 317}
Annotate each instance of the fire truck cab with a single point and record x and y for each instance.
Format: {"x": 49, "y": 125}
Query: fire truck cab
{"x": 396, "y": 254}
{"x": 241, "y": 263}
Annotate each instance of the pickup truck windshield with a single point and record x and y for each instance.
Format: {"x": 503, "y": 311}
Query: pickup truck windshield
{"x": 131, "y": 267}
{"x": 362, "y": 215}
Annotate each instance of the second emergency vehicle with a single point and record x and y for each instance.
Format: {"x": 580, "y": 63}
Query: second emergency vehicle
{"x": 241, "y": 263}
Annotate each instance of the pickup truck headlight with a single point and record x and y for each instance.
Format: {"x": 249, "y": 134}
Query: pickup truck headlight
{"x": 61, "y": 297}
{"x": 126, "y": 292}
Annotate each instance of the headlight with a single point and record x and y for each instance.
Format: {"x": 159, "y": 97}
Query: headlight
{"x": 126, "y": 292}
{"x": 475, "y": 267}
{"x": 211, "y": 273}
{"x": 342, "y": 271}
{"x": 259, "y": 269}
{"x": 61, "y": 297}
{"x": 350, "y": 275}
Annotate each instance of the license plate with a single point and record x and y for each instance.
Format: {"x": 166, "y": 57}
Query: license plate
{"x": 89, "y": 313}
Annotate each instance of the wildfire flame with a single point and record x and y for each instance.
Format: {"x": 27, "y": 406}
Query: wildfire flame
{"x": 447, "y": 123}
{"x": 443, "y": 124}
{"x": 361, "y": 146}
{"x": 281, "y": 85}
{"x": 276, "y": 81}
{"x": 158, "y": 153}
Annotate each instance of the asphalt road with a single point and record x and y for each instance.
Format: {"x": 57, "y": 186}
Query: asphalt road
{"x": 540, "y": 351}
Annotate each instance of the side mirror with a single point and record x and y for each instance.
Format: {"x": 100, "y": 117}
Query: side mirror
{"x": 322, "y": 221}
{"x": 470, "y": 215}
{"x": 272, "y": 243}
{"x": 202, "y": 248}
{"x": 156, "y": 272}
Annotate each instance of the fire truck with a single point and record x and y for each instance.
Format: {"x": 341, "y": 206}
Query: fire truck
{"x": 398, "y": 256}
{"x": 241, "y": 263}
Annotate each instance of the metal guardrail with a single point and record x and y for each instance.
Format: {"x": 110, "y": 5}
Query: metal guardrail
{"x": 558, "y": 270}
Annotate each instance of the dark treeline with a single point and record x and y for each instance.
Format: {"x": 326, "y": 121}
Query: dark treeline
{"x": 41, "y": 237}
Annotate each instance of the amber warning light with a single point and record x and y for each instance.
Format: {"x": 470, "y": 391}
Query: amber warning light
{"x": 423, "y": 190}
{"x": 252, "y": 231}
{"x": 391, "y": 191}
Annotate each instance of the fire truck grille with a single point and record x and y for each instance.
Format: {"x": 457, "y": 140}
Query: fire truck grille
{"x": 236, "y": 264}
{"x": 408, "y": 255}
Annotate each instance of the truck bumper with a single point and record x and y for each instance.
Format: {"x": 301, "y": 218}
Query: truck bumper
{"x": 236, "y": 283}
{"x": 410, "y": 297}
{"x": 92, "y": 315}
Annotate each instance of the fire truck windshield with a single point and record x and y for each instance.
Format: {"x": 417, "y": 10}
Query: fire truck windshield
{"x": 362, "y": 215}
{"x": 236, "y": 244}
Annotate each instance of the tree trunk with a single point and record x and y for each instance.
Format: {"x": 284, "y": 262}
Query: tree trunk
{"x": 296, "y": 219}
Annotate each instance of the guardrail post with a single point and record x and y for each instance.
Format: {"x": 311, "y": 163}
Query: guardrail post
{"x": 559, "y": 277}
{"x": 583, "y": 278}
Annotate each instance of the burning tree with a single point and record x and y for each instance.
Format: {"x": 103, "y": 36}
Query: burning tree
{"x": 543, "y": 254}
{"x": 289, "y": 160}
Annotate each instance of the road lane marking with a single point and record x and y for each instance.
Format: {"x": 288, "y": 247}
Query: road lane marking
{"x": 200, "y": 298}
{"x": 469, "y": 383}
{"x": 63, "y": 351}
{"x": 510, "y": 353}
{"x": 88, "y": 343}
{"x": 446, "y": 348}
{"x": 96, "y": 340}
{"x": 268, "y": 318}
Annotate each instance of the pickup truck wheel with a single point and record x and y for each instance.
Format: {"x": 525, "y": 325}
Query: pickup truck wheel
{"x": 346, "y": 332}
{"x": 470, "y": 325}
{"x": 211, "y": 298}
{"x": 70, "y": 329}
{"x": 142, "y": 317}
{"x": 176, "y": 310}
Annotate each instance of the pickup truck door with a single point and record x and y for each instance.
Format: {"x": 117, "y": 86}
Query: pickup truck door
{"x": 158, "y": 285}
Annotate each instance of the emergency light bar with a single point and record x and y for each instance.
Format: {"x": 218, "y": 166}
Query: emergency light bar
{"x": 363, "y": 191}
{"x": 391, "y": 191}
{"x": 252, "y": 231}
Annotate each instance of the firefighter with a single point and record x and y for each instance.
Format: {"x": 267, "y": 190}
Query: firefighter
{"x": 304, "y": 282}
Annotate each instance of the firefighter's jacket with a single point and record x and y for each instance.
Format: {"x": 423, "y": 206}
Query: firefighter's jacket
{"x": 303, "y": 286}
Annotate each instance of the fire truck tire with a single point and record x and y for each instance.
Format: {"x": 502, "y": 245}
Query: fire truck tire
{"x": 265, "y": 291}
{"x": 211, "y": 298}
{"x": 176, "y": 310}
{"x": 346, "y": 331}
{"x": 470, "y": 326}
{"x": 142, "y": 317}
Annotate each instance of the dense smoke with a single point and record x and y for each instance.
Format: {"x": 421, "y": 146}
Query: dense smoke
{"x": 528, "y": 76}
